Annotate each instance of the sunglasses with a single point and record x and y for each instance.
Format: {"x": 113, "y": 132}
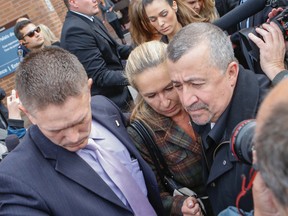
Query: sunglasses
{"x": 32, "y": 33}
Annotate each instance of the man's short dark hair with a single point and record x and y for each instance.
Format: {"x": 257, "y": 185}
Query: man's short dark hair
{"x": 40, "y": 84}
{"x": 19, "y": 26}
{"x": 66, "y": 2}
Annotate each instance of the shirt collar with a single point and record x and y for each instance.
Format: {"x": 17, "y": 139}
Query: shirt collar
{"x": 91, "y": 18}
{"x": 95, "y": 134}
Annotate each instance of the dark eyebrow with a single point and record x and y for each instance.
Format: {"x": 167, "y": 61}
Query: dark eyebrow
{"x": 169, "y": 84}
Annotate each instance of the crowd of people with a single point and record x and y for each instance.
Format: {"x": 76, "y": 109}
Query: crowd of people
{"x": 84, "y": 155}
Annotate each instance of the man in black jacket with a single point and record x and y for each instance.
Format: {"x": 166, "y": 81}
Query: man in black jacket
{"x": 85, "y": 36}
{"x": 218, "y": 93}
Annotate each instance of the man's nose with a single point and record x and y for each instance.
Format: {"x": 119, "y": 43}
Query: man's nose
{"x": 72, "y": 134}
{"x": 188, "y": 97}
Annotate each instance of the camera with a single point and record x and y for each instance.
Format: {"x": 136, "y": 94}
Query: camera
{"x": 241, "y": 144}
{"x": 281, "y": 20}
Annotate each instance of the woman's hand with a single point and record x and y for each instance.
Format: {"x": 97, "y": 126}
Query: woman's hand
{"x": 191, "y": 207}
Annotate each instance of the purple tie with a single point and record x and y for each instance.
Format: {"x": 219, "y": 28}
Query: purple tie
{"x": 123, "y": 180}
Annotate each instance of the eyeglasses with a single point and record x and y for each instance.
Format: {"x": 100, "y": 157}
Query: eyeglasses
{"x": 32, "y": 33}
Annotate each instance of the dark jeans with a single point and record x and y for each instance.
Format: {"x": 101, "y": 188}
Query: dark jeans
{"x": 117, "y": 28}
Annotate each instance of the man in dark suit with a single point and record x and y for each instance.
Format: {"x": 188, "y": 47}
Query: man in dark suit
{"x": 84, "y": 35}
{"x": 59, "y": 167}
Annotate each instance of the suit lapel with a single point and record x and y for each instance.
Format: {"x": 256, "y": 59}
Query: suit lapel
{"x": 73, "y": 167}
{"x": 100, "y": 29}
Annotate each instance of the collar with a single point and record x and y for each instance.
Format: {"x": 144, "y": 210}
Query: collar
{"x": 91, "y": 18}
{"x": 95, "y": 132}
{"x": 214, "y": 135}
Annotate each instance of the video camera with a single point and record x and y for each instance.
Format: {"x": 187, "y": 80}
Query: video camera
{"x": 281, "y": 20}
{"x": 241, "y": 143}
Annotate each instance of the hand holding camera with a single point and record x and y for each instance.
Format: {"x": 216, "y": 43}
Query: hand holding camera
{"x": 267, "y": 43}
{"x": 271, "y": 44}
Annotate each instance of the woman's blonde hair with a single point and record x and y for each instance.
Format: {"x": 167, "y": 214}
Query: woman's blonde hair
{"x": 145, "y": 56}
{"x": 48, "y": 35}
{"x": 209, "y": 10}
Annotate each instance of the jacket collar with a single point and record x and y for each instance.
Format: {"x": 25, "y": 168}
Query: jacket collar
{"x": 97, "y": 26}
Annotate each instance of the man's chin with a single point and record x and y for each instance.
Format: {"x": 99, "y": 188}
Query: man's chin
{"x": 200, "y": 121}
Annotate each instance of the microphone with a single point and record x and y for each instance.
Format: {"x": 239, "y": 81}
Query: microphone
{"x": 240, "y": 13}
{"x": 11, "y": 142}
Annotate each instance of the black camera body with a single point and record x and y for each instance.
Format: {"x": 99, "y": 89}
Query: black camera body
{"x": 241, "y": 144}
{"x": 281, "y": 20}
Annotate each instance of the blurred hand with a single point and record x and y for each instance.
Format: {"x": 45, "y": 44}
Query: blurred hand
{"x": 191, "y": 207}
{"x": 274, "y": 12}
{"x": 13, "y": 106}
{"x": 272, "y": 48}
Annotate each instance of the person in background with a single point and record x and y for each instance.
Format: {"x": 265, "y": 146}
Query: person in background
{"x": 15, "y": 121}
{"x": 140, "y": 28}
{"x": 10, "y": 117}
{"x": 49, "y": 37}
{"x": 22, "y": 51}
{"x": 169, "y": 16}
{"x": 84, "y": 35}
{"x": 159, "y": 108}
{"x": 77, "y": 145}
{"x": 29, "y": 36}
{"x": 205, "y": 8}
{"x": 109, "y": 15}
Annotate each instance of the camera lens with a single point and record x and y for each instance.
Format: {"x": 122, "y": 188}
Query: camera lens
{"x": 242, "y": 140}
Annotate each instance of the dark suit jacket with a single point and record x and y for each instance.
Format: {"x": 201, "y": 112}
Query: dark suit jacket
{"x": 222, "y": 171}
{"x": 100, "y": 55}
{"x": 41, "y": 178}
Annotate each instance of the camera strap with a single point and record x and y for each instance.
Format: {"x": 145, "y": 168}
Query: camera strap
{"x": 245, "y": 188}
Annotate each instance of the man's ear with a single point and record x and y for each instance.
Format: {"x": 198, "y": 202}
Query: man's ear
{"x": 72, "y": 3}
{"x": 24, "y": 110}
{"x": 22, "y": 42}
{"x": 232, "y": 73}
{"x": 90, "y": 82}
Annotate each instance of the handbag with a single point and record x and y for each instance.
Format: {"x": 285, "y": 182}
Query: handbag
{"x": 118, "y": 14}
{"x": 166, "y": 177}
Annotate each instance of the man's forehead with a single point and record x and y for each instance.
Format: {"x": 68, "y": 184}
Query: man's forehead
{"x": 29, "y": 27}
